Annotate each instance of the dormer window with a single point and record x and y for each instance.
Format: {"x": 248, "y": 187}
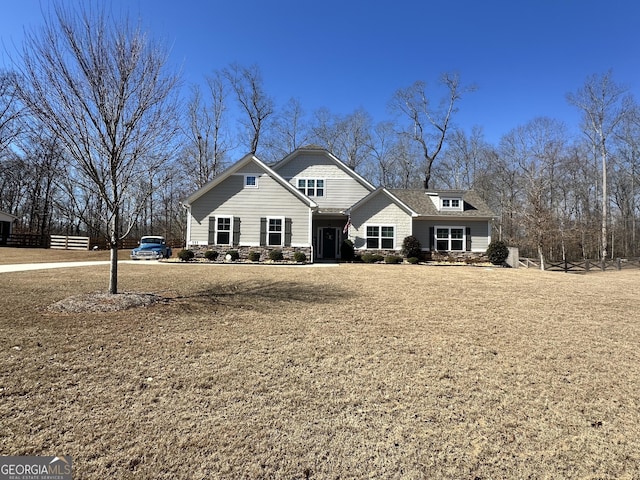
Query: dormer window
{"x": 451, "y": 204}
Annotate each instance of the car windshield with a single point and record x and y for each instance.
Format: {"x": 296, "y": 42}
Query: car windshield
{"x": 151, "y": 240}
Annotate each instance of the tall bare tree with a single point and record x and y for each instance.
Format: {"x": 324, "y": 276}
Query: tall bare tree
{"x": 429, "y": 125}
{"x": 247, "y": 85}
{"x": 604, "y": 105}
{"x": 10, "y": 110}
{"x": 206, "y": 146}
{"x": 104, "y": 90}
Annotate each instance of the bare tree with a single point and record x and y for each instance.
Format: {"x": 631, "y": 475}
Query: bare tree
{"x": 289, "y": 131}
{"x": 246, "y": 83}
{"x": 604, "y": 104}
{"x": 10, "y": 111}
{"x": 102, "y": 88}
{"x": 429, "y": 125}
{"x": 206, "y": 146}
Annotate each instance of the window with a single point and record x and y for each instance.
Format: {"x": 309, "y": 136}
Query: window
{"x": 274, "y": 232}
{"x": 450, "y": 239}
{"x": 250, "y": 181}
{"x": 311, "y": 187}
{"x": 223, "y": 231}
{"x": 380, "y": 237}
{"x": 451, "y": 203}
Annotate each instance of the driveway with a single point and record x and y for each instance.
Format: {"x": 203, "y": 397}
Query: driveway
{"x": 23, "y": 267}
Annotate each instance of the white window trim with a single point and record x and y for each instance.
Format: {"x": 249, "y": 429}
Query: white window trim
{"x": 246, "y": 176}
{"x": 282, "y": 232}
{"x": 230, "y": 229}
{"x": 380, "y": 226}
{"x": 315, "y": 188}
{"x": 451, "y": 209}
{"x": 435, "y": 239}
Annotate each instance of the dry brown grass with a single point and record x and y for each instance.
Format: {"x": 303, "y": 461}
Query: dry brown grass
{"x": 361, "y": 371}
{"x": 9, "y": 256}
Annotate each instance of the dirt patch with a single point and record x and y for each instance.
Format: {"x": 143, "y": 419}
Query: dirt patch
{"x": 104, "y": 302}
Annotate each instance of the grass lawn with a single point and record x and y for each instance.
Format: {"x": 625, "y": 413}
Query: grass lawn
{"x": 359, "y": 371}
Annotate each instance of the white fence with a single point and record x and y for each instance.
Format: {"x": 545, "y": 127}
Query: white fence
{"x": 63, "y": 242}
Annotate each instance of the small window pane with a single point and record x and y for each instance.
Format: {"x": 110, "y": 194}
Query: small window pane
{"x": 456, "y": 244}
{"x": 442, "y": 245}
{"x": 372, "y": 242}
{"x": 275, "y": 225}
{"x": 320, "y": 192}
{"x": 250, "y": 181}
{"x": 457, "y": 233}
{"x": 372, "y": 231}
{"x": 442, "y": 233}
{"x": 387, "y": 243}
{"x": 320, "y": 183}
{"x": 455, "y": 203}
{"x": 387, "y": 231}
{"x": 223, "y": 238}
{"x": 445, "y": 203}
{"x": 301, "y": 184}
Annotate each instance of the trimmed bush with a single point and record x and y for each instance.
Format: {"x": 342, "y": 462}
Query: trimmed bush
{"x": 276, "y": 255}
{"x": 347, "y": 251}
{"x": 211, "y": 255}
{"x": 372, "y": 258}
{"x": 186, "y": 255}
{"x": 254, "y": 256}
{"x": 300, "y": 257}
{"x": 411, "y": 247}
{"x": 413, "y": 260}
{"x": 234, "y": 255}
{"x": 497, "y": 252}
{"x": 393, "y": 259}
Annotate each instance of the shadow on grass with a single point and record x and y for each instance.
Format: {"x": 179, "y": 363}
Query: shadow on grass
{"x": 256, "y": 294}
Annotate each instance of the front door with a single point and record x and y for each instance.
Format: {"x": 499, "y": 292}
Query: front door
{"x": 329, "y": 243}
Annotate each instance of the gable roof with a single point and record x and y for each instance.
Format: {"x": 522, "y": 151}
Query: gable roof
{"x": 239, "y": 165}
{"x": 317, "y": 149}
{"x": 420, "y": 201}
{"x": 389, "y": 195}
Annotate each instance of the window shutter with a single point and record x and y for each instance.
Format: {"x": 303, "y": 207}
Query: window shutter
{"x": 468, "y": 238}
{"x": 263, "y": 231}
{"x": 212, "y": 231}
{"x": 287, "y": 232}
{"x": 431, "y": 234}
{"x": 236, "y": 231}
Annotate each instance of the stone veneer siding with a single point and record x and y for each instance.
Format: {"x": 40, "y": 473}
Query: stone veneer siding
{"x": 287, "y": 252}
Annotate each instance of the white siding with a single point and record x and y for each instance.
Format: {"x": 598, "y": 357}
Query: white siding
{"x": 379, "y": 210}
{"x": 270, "y": 199}
{"x": 341, "y": 189}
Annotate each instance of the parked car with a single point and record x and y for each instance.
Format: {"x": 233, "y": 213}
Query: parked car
{"x": 151, "y": 247}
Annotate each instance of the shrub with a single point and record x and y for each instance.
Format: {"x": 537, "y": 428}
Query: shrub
{"x": 300, "y": 257}
{"x": 211, "y": 255}
{"x": 497, "y": 252}
{"x": 234, "y": 255}
{"x": 413, "y": 260}
{"x": 276, "y": 255}
{"x": 411, "y": 247}
{"x": 186, "y": 255}
{"x": 254, "y": 256}
{"x": 347, "y": 251}
{"x": 393, "y": 259}
{"x": 372, "y": 257}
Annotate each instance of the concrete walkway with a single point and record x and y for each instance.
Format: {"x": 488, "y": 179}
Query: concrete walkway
{"x": 25, "y": 267}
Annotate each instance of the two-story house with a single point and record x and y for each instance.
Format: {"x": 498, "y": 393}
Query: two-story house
{"x": 311, "y": 201}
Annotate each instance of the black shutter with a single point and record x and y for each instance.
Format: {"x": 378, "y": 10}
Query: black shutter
{"x": 287, "y": 232}
{"x": 468, "y": 238}
{"x": 431, "y": 234}
{"x": 236, "y": 231}
{"x": 212, "y": 231}
{"x": 263, "y": 232}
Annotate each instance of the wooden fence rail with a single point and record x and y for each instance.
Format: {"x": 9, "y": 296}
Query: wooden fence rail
{"x": 65, "y": 242}
{"x": 583, "y": 266}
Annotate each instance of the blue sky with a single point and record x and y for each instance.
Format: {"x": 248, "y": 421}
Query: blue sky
{"x": 523, "y": 55}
